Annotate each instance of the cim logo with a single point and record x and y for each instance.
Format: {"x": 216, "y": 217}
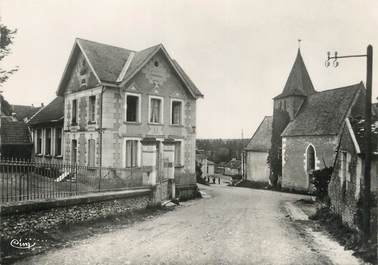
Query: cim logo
{"x": 18, "y": 243}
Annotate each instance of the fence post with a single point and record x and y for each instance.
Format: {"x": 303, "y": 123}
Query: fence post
{"x": 18, "y": 168}
{"x": 76, "y": 178}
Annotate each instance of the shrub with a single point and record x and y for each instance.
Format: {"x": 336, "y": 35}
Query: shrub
{"x": 320, "y": 179}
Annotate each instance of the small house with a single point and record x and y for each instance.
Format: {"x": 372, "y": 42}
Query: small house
{"x": 257, "y": 151}
{"x": 47, "y": 130}
{"x": 233, "y": 167}
{"x": 345, "y": 188}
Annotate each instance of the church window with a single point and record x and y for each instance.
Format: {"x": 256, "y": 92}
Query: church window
{"x": 310, "y": 158}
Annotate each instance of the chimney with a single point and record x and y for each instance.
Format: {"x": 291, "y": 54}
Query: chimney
{"x": 42, "y": 105}
{"x": 14, "y": 116}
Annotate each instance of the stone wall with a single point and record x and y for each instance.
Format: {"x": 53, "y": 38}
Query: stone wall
{"x": 54, "y": 215}
{"x": 294, "y": 158}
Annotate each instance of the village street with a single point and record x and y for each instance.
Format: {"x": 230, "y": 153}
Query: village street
{"x": 229, "y": 226}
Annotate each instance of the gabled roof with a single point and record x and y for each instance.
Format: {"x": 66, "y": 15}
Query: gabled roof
{"x": 14, "y": 132}
{"x": 113, "y": 65}
{"x": 358, "y": 132}
{"x": 299, "y": 81}
{"x": 323, "y": 112}
{"x": 53, "y": 112}
{"x": 261, "y": 139}
{"x": 106, "y": 60}
{"x": 23, "y": 111}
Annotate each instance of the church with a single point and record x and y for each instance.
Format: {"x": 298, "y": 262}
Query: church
{"x": 316, "y": 119}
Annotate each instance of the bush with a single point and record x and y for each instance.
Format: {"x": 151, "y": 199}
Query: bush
{"x": 320, "y": 179}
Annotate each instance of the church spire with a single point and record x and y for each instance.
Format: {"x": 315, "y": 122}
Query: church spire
{"x": 299, "y": 81}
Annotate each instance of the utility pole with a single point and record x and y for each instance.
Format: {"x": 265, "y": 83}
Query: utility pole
{"x": 367, "y": 137}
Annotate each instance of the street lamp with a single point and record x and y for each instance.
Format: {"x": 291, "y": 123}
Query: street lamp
{"x": 369, "y": 77}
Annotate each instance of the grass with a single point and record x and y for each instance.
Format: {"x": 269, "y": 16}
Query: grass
{"x": 346, "y": 236}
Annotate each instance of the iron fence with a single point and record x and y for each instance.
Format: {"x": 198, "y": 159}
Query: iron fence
{"x": 22, "y": 180}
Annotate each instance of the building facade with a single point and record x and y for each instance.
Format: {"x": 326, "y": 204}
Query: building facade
{"x": 114, "y": 99}
{"x": 257, "y": 151}
{"x": 46, "y": 127}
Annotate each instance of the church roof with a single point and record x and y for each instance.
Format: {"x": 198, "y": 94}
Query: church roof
{"x": 116, "y": 65}
{"x": 299, "y": 81}
{"x": 323, "y": 112}
{"x": 261, "y": 139}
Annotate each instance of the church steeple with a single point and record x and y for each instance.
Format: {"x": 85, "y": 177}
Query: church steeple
{"x": 299, "y": 81}
{"x": 298, "y": 86}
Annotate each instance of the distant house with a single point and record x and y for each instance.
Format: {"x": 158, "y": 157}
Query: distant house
{"x": 15, "y": 139}
{"x": 201, "y": 159}
{"x": 119, "y": 104}
{"x": 210, "y": 168}
{"x": 47, "y": 130}
{"x": 347, "y": 179}
{"x": 232, "y": 168}
{"x": 23, "y": 112}
{"x": 257, "y": 151}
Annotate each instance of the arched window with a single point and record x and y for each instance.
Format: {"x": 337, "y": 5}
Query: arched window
{"x": 310, "y": 158}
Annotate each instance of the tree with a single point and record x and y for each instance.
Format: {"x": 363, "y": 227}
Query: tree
{"x": 280, "y": 120}
{"x": 6, "y": 40}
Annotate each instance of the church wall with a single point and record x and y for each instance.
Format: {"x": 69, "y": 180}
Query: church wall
{"x": 294, "y": 158}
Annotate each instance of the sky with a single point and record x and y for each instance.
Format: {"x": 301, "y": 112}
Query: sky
{"x": 239, "y": 53}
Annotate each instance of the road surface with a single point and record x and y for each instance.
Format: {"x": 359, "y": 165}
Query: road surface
{"x": 232, "y": 226}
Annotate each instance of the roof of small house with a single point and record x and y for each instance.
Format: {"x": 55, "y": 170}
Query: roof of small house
{"x": 323, "y": 112}
{"x": 358, "y": 126}
{"x": 299, "y": 81}
{"x": 14, "y": 132}
{"x": 261, "y": 139}
{"x": 108, "y": 62}
{"x": 23, "y": 111}
{"x": 52, "y": 112}
{"x": 234, "y": 164}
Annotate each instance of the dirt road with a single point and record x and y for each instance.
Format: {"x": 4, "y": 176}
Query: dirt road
{"x": 232, "y": 226}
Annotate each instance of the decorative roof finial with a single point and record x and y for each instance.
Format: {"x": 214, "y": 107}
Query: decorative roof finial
{"x": 299, "y": 43}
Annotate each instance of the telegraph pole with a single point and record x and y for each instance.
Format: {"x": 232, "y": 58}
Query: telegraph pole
{"x": 366, "y": 200}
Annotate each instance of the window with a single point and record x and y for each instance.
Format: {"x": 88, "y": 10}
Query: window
{"x": 74, "y": 112}
{"x": 74, "y": 152}
{"x": 131, "y": 153}
{"x": 310, "y": 158}
{"x": 343, "y": 166}
{"x": 58, "y": 141}
{"x": 176, "y": 112}
{"x": 92, "y": 109}
{"x": 91, "y": 153}
{"x": 178, "y": 154}
{"x": 156, "y": 110}
{"x": 132, "y": 108}
{"x": 39, "y": 141}
{"x": 48, "y": 142}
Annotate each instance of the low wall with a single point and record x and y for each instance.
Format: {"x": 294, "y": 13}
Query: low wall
{"x": 44, "y": 215}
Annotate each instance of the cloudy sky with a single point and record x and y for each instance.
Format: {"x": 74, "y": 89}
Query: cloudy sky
{"x": 239, "y": 53}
